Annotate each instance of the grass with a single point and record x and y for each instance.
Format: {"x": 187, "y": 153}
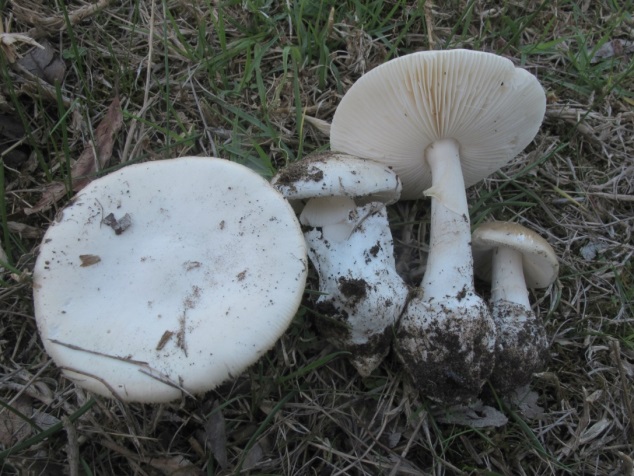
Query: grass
{"x": 234, "y": 79}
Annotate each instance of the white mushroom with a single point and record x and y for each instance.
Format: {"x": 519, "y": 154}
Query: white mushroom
{"x": 513, "y": 258}
{"x": 167, "y": 278}
{"x": 443, "y": 120}
{"x": 350, "y": 244}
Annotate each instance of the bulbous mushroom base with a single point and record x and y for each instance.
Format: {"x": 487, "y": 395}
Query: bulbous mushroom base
{"x": 448, "y": 351}
{"x": 521, "y": 347}
{"x": 362, "y": 294}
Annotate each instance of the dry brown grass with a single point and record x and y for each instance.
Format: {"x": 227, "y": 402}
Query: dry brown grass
{"x": 231, "y": 79}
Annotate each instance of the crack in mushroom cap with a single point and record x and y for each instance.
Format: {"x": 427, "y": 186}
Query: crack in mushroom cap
{"x": 492, "y": 109}
{"x": 204, "y": 277}
{"x": 539, "y": 261}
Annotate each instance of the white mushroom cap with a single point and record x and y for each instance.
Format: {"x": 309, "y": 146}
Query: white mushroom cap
{"x": 197, "y": 272}
{"x": 329, "y": 174}
{"x": 539, "y": 260}
{"x": 395, "y": 112}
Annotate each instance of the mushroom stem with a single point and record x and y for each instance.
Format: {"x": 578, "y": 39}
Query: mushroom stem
{"x": 450, "y": 262}
{"x": 446, "y": 336}
{"x": 334, "y": 215}
{"x": 508, "y": 282}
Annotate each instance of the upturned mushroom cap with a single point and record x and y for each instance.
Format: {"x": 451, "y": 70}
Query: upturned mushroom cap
{"x": 395, "y": 112}
{"x": 168, "y": 277}
{"x": 539, "y": 260}
{"x": 329, "y": 174}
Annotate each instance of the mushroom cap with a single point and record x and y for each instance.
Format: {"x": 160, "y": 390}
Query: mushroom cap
{"x": 330, "y": 174}
{"x": 539, "y": 260}
{"x": 395, "y": 112}
{"x": 197, "y": 272}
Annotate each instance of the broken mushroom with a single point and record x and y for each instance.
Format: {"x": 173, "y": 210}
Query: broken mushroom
{"x": 443, "y": 120}
{"x": 350, "y": 245}
{"x": 167, "y": 278}
{"x": 513, "y": 258}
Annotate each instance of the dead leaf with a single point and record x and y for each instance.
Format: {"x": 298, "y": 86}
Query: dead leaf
{"x": 215, "y": 436}
{"x": 253, "y": 457}
{"x": 526, "y": 401}
{"x": 44, "y": 63}
{"x": 94, "y": 158}
{"x": 594, "y": 431}
{"x": 167, "y": 335}
{"x": 89, "y": 260}
{"x": 51, "y": 193}
{"x": 88, "y": 162}
{"x": 14, "y": 428}
{"x": 119, "y": 226}
{"x": 476, "y": 415}
{"x": 11, "y": 131}
{"x": 256, "y": 453}
{"x": 612, "y": 49}
{"x": 25, "y": 231}
{"x": 177, "y": 465}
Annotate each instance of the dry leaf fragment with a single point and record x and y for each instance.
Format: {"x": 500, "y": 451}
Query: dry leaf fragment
{"x": 13, "y": 428}
{"x": 476, "y": 415}
{"x": 253, "y": 457}
{"x": 91, "y": 160}
{"x": 526, "y": 401}
{"x": 215, "y": 436}
{"x": 89, "y": 260}
{"x": 167, "y": 335}
{"x": 88, "y": 162}
{"x": 44, "y": 63}
{"x": 119, "y": 226}
{"x": 612, "y": 49}
{"x": 594, "y": 431}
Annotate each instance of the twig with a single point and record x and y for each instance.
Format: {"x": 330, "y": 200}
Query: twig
{"x": 73, "y": 447}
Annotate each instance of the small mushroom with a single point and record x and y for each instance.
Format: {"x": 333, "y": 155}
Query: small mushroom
{"x": 513, "y": 258}
{"x": 443, "y": 120}
{"x": 167, "y": 278}
{"x": 350, "y": 245}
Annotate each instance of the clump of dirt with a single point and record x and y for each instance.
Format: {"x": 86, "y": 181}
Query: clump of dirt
{"x": 449, "y": 353}
{"x": 521, "y": 347}
{"x": 353, "y": 289}
{"x": 301, "y": 171}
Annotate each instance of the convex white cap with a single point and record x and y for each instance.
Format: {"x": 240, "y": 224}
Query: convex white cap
{"x": 168, "y": 277}
{"x": 396, "y": 111}
{"x": 332, "y": 174}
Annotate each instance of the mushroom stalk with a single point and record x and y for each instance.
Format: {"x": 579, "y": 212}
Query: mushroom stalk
{"x": 446, "y": 337}
{"x": 507, "y": 281}
{"x": 334, "y": 215}
{"x": 450, "y": 263}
